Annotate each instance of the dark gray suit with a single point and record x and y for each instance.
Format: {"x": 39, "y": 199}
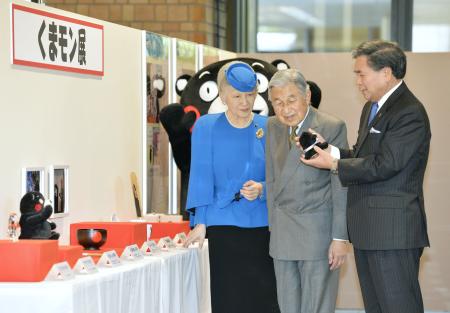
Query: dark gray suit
{"x": 385, "y": 211}
{"x": 306, "y": 211}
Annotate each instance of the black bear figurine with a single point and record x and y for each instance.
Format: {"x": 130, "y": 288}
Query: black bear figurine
{"x": 33, "y": 220}
{"x": 308, "y": 141}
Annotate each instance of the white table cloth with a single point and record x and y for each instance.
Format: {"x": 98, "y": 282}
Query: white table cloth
{"x": 176, "y": 281}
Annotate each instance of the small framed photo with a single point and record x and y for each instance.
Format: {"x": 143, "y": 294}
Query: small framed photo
{"x": 58, "y": 189}
{"x": 33, "y": 179}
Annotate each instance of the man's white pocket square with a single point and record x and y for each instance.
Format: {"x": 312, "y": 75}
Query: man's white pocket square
{"x": 374, "y": 131}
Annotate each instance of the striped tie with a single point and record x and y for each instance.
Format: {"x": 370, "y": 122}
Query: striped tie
{"x": 292, "y": 136}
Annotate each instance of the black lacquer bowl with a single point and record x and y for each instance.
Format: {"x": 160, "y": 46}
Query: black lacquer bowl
{"x": 91, "y": 238}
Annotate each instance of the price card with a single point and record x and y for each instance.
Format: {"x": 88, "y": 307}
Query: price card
{"x": 132, "y": 253}
{"x": 165, "y": 243}
{"x": 85, "y": 265}
{"x": 60, "y": 271}
{"x": 180, "y": 239}
{"x": 109, "y": 259}
{"x": 150, "y": 247}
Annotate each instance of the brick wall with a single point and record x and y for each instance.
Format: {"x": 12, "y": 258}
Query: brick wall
{"x": 201, "y": 21}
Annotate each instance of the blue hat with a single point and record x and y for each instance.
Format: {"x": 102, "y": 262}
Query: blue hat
{"x": 241, "y": 77}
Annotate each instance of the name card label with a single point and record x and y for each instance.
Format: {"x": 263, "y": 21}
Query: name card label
{"x": 166, "y": 243}
{"x": 60, "y": 271}
{"x": 150, "y": 247}
{"x": 85, "y": 265}
{"x": 180, "y": 239}
{"x": 109, "y": 259}
{"x": 132, "y": 253}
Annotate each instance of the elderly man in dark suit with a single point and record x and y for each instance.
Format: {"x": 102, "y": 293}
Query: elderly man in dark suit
{"x": 384, "y": 173}
{"x": 308, "y": 231}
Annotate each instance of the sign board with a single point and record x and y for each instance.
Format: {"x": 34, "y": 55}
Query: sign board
{"x": 166, "y": 243}
{"x": 132, "y": 253}
{"x": 85, "y": 265}
{"x": 48, "y": 40}
{"x": 150, "y": 247}
{"x": 109, "y": 259}
{"x": 180, "y": 239}
{"x": 60, "y": 271}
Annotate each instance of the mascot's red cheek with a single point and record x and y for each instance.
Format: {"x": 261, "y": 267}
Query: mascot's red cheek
{"x": 38, "y": 207}
{"x": 191, "y": 108}
{"x": 96, "y": 237}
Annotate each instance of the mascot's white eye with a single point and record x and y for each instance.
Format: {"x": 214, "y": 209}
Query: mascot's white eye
{"x": 181, "y": 83}
{"x": 208, "y": 91}
{"x": 263, "y": 83}
{"x": 158, "y": 84}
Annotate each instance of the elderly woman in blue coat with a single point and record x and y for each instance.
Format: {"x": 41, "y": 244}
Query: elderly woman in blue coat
{"x": 226, "y": 197}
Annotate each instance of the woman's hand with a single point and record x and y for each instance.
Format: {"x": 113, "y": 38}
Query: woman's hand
{"x": 251, "y": 190}
{"x": 196, "y": 235}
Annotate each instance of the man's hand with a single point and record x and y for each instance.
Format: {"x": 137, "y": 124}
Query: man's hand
{"x": 251, "y": 190}
{"x": 337, "y": 254}
{"x": 322, "y": 159}
{"x": 196, "y": 235}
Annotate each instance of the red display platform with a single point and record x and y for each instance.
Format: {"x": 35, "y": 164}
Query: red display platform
{"x": 119, "y": 234}
{"x": 163, "y": 229}
{"x": 71, "y": 254}
{"x": 27, "y": 260}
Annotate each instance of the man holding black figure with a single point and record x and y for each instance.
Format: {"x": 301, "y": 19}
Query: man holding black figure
{"x": 384, "y": 173}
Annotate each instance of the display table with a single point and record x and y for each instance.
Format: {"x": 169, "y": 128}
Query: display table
{"x": 27, "y": 260}
{"x": 119, "y": 234}
{"x": 169, "y": 282}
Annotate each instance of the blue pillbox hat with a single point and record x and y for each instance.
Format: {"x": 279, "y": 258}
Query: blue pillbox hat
{"x": 241, "y": 77}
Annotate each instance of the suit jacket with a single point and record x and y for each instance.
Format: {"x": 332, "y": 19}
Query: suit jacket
{"x": 215, "y": 177}
{"x": 306, "y": 205}
{"x": 384, "y": 173}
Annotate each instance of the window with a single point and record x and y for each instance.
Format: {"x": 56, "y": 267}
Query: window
{"x": 431, "y": 26}
{"x": 320, "y": 25}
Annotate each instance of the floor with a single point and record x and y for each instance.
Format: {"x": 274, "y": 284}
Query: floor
{"x": 362, "y": 311}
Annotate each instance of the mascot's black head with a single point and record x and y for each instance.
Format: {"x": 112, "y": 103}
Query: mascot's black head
{"x": 32, "y": 202}
{"x": 200, "y": 93}
{"x": 316, "y": 93}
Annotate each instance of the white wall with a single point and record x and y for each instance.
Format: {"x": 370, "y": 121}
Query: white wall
{"x": 91, "y": 124}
